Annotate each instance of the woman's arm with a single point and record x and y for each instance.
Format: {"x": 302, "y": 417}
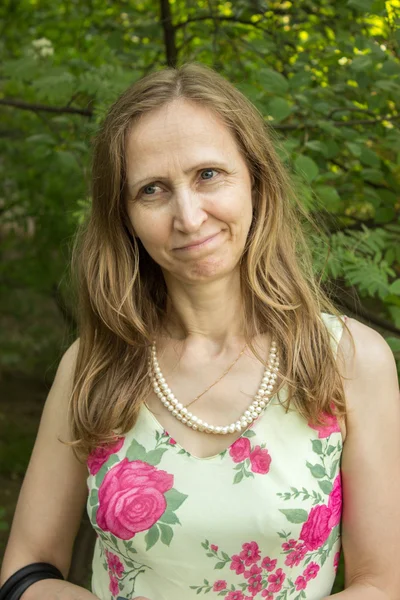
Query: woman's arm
{"x": 55, "y": 589}
{"x": 371, "y": 469}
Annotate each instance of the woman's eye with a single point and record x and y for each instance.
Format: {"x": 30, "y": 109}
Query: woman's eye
{"x": 208, "y": 173}
{"x": 148, "y": 190}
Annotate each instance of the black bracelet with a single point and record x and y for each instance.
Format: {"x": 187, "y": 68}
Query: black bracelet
{"x": 16, "y": 585}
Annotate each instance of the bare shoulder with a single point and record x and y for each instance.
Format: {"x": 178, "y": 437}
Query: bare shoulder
{"x": 369, "y": 372}
{"x": 70, "y": 356}
{"x": 370, "y": 459}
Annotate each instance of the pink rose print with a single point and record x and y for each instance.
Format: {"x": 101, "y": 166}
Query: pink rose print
{"x": 316, "y": 530}
{"x": 336, "y": 560}
{"x": 237, "y": 565}
{"x": 295, "y": 557}
{"x": 276, "y": 580}
{"x": 114, "y": 564}
{"x": 113, "y": 587}
{"x": 331, "y": 425}
{"x": 240, "y": 450}
{"x": 100, "y": 455}
{"x": 289, "y": 545}
{"x": 266, "y": 594}
{"x": 268, "y": 564}
{"x": 214, "y": 547}
{"x": 171, "y": 440}
{"x": 300, "y": 583}
{"x": 131, "y": 498}
{"x": 254, "y": 571}
{"x": 255, "y": 585}
{"x": 250, "y": 553}
{"x": 219, "y": 585}
{"x": 235, "y": 595}
{"x": 335, "y": 502}
{"x": 260, "y": 460}
{"x": 311, "y": 571}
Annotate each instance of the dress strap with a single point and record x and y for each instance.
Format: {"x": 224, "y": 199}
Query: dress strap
{"x": 335, "y": 326}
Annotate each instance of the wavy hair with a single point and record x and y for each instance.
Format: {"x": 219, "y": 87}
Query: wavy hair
{"x": 121, "y": 292}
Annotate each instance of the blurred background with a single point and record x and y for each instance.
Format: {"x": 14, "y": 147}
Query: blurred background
{"x": 325, "y": 74}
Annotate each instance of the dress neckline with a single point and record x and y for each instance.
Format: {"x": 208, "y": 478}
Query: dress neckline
{"x": 252, "y": 427}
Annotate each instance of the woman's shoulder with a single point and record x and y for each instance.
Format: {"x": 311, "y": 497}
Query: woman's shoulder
{"x": 370, "y": 349}
{"x": 369, "y": 371}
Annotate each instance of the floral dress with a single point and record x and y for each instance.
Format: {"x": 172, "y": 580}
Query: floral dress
{"x": 259, "y": 520}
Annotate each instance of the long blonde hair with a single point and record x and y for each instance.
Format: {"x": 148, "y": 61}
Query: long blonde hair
{"x": 121, "y": 293}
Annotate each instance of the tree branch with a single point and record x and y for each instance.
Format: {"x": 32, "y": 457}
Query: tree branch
{"x": 358, "y": 310}
{"x": 336, "y": 123}
{"x": 169, "y": 33}
{"x": 234, "y": 19}
{"x": 86, "y": 112}
{"x": 358, "y": 225}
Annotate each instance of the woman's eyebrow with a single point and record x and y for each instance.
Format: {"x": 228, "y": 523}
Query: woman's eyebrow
{"x": 202, "y": 165}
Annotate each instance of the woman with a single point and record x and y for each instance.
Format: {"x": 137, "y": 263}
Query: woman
{"x": 196, "y": 289}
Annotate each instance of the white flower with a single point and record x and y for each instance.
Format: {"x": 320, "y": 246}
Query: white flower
{"x": 43, "y": 47}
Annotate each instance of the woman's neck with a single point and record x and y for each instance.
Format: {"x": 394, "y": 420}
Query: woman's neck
{"x": 205, "y": 314}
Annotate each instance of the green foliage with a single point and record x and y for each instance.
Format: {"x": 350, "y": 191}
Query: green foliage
{"x": 326, "y": 78}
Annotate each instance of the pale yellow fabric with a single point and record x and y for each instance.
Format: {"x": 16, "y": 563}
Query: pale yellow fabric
{"x": 259, "y": 520}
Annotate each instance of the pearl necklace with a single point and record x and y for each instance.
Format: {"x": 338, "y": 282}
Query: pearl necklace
{"x": 180, "y": 412}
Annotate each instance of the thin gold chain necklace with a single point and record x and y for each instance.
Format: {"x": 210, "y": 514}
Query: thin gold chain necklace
{"x": 219, "y": 379}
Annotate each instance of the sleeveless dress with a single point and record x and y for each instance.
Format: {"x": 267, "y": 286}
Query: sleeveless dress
{"x": 260, "y": 520}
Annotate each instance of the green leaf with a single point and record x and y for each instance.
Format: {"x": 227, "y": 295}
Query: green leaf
{"x": 361, "y": 5}
{"x": 174, "y": 499}
{"x": 332, "y": 148}
{"x": 361, "y": 63}
{"x": 329, "y": 196}
{"x": 67, "y": 159}
{"x": 238, "y": 477}
{"x": 387, "y": 196}
{"x": 385, "y": 214}
{"x": 354, "y": 148}
{"x": 387, "y": 85}
{"x": 94, "y": 497}
{"x": 136, "y": 451}
{"x": 395, "y": 287}
{"x": 306, "y": 167}
{"x": 166, "y": 534}
{"x": 279, "y": 109}
{"x": 369, "y": 157}
{"x": 334, "y": 467}
{"x": 297, "y": 515}
{"x": 169, "y": 517}
{"x": 373, "y": 175}
{"x": 318, "y": 146}
{"x": 41, "y": 138}
{"x": 273, "y": 82}
{"x": 151, "y": 537}
{"x": 317, "y": 446}
{"x": 330, "y": 450}
{"x": 326, "y": 486}
{"x": 317, "y": 471}
{"x": 154, "y": 456}
{"x": 249, "y": 434}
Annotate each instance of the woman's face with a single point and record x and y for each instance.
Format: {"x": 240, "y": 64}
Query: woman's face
{"x": 189, "y": 192}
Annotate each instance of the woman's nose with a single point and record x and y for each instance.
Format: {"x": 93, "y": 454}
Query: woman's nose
{"x": 189, "y": 213}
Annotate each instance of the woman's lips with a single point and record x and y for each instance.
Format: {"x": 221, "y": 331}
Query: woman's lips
{"x": 200, "y": 244}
